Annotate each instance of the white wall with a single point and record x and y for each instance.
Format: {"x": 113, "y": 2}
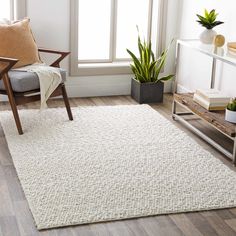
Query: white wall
{"x": 50, "y": 21}
{"x": 195, "y": 68}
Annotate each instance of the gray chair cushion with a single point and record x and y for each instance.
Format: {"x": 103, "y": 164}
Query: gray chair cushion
{"x": 22, "y": 81}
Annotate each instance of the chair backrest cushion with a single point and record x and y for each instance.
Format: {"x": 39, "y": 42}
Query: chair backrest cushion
{"x": 17, "y": 41}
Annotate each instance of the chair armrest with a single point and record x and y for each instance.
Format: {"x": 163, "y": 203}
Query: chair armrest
{"x": 8, "y": 63}
{"x": 57, "y": 62}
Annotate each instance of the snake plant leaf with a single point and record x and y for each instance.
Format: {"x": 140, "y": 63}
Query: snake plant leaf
{"x": 134, "y": 69}
{"x": 166, "y": 78}
{"x": 141, "y": 78}
{"x": 162, "y": 61}
{"x": 160, "y": 66}
{"x": 146, "y": 59}
{"x": 153, "y": 56}
{"x": 153, "y": 64}
{"x": 136, "y": 62}
{"x": 137, "y": 74}
{"x": 149, "y": 52}
{"x": 140, "y": 47}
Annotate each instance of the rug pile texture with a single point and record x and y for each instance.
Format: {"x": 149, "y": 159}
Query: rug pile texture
{"x": 112, "y": 163}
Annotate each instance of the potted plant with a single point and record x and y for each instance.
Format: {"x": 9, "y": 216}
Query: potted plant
{"x": 208, "y": 21}
{"x": 230, "y": 113}
{"x": 147, "y": 86}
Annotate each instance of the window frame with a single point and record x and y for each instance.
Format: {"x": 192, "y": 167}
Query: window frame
{"x": 17, "y": 9}
{"x": 20, "y": 8}
{"x": 112, "y": 65}
{"x": 12, "y": 10}
{"x": 112, "y": 22}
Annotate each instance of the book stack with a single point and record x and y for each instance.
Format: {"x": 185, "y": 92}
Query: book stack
{"x": 211, "y": 99}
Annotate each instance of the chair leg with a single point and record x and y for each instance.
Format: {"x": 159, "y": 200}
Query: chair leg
{"x": 16, "y": 115}
{"x": 66, "y": 101}
{"x": 12, "y": 103}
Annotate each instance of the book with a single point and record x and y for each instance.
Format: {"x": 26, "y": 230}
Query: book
{"x": 213, "y": 96}
{"x": 209, "y": 106}
{"x": 231, "y": 45}
{"x": 232, "y": 51}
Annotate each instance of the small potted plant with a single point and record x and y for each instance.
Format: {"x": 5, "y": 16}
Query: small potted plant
{"x": 230, "y": 113}
{"x": 208, "y": 21}
{"x": 147, "y": 86}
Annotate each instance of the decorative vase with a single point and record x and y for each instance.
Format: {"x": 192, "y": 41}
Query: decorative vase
{"x": 230, "y": 116}
{"x": 147, "y": 92}
{"x": 207, "y": 36}
{"x": 219, "y": 40}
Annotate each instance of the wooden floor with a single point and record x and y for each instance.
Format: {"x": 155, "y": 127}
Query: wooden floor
{"x": 16, "y": 219}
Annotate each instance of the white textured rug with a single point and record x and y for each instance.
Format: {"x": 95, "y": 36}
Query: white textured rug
{"x": 112, "y": 163}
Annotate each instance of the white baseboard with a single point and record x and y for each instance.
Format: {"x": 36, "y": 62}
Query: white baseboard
{"x": 102, "y": 86}
{"x": 98, "y": 86}
{"x": 94, "y": 86}
{"x": 3, "y": 98}
{"x": 182, "y": 89}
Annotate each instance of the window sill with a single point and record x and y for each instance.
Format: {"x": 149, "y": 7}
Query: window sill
{"x": 115, "y": 68}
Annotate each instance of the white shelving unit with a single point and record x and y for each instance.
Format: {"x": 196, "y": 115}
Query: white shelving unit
{"x": 215, "y": 119}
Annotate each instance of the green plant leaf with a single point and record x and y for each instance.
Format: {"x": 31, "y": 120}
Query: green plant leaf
{"x": 206, "y": 13}
{"x": 166, "y": 78}
{"x": 162, "y": 61}
{"x": 136, "y": 62}
{"x": 217, "y": 23}
{"x": 152, "y": 66}
{"x": 203, "y": 19}
{"x": 134, "y": 69}
{"x": 153, "y": 56}
{"x": 212, "y": 16}
{"x": 232, "y": 105}
{"x": 140, "y": 47}
{"x": 141, "y": 78}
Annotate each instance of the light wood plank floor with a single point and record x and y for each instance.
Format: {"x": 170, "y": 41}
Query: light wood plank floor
{"x": 16, "y": 219}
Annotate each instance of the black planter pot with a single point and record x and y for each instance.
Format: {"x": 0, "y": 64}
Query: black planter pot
{"x": 147, "y": 92}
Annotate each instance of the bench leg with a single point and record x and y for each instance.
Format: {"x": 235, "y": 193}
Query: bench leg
{"x": 66, "y": 101}
{"x": 173, "y": 109}
{"x": 234, "y": 152}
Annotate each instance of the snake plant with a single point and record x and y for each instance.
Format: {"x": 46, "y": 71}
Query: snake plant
{"x": 146, "y": 67}
{"x": 209, "y": 19}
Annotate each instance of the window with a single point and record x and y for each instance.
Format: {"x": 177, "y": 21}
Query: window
{"x": 94, "y": 30}
{"x": 102, "y": 30}
{"x": 127, "y": 20}
{"x": 6, "y": 9}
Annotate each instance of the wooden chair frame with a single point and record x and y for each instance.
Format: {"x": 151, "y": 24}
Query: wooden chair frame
{"x": 16, "y": 98}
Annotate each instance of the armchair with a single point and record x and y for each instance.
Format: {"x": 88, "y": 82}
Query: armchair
{"x": 23, "y": 87}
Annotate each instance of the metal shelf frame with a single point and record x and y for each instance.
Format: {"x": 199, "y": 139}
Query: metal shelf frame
{"x": 178, "y": 115}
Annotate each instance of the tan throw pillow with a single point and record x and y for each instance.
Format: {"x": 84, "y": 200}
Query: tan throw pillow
{"x": 17, "y": 41}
